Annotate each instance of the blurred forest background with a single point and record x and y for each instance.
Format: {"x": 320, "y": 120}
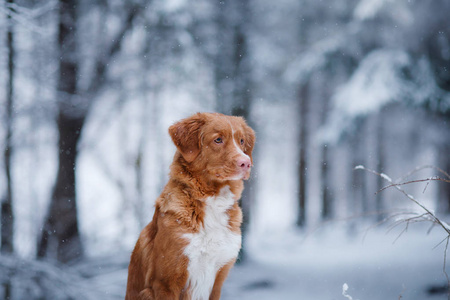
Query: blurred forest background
{"x": 89, "y": 88}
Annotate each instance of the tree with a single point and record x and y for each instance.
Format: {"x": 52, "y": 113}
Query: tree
{"x": 303, "y": 98}
{"x": 242, "y": 101}
{"x": 380, "y": 153}
{"x": 7, "y": 217}
{"x": 60, "y": 231}
{"x": 302, "y": 166}
{"x": 60, "y": 237}
{"x": 436, "y": 47}
{"x": 320, "y": 64}
{"x": 232, "y": 73}
{"x": 358, "y": 201}
{"x": 326, "y": 180}
{"x": 402, "y": 69}
{"x": 6, "y": 213}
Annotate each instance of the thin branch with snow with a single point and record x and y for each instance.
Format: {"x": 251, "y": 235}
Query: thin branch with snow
{"x": 432, "y": 217}
{"x": 427, "y": 216}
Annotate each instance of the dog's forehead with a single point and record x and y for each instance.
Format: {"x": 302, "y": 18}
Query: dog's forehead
{"x": 224, "y": 123}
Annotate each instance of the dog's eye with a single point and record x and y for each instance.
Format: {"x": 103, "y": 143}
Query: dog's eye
{"x": 218, "y": 141}
{"x": 242, "y": 141}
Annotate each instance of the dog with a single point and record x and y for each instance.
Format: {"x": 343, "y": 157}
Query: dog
{"x": 193, "y": 240}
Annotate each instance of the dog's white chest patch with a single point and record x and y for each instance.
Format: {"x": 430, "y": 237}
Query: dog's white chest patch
{"x": 213, "y": 246}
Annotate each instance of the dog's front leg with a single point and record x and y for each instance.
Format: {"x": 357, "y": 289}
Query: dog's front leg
{"x": 146, "y": 294}
{"x": 220, "y": 278}
{"x": 162, "y": 291}
{"x": 156, "y": 294}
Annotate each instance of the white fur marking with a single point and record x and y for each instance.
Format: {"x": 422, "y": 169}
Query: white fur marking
{"x": 213, "y": 246}
{"x": 239, "y": 150}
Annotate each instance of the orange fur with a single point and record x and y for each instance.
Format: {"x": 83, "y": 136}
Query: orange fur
{"x": 212, "y": 151}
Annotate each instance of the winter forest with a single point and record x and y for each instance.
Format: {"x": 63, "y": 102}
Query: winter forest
{"x": 350, "y": 101}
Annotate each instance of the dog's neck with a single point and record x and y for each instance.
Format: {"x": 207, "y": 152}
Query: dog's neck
{"x": 199, "y": 183}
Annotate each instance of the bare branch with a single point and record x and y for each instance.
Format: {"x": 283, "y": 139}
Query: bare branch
{"x": 428, "y": 180}
{"x": 427, "y": 216}
{"x": 415, "y": 170}
{"x": 24, "y": 16}
{"x": 435, "y": 219}
{"x": 104, "y": 60}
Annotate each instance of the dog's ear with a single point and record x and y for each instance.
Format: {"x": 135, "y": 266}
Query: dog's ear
{"x": 250, "y": 139}
{"x": 185, "y": 135}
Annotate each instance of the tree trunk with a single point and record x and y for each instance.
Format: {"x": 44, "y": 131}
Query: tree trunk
{"x": 7, "y": 217}
{"x": 242, "y": 104}
{"x": 223, "y": 58}
{"x": 358, "y": 201}
{"x": 302, "y": 166}
{"x": 326, "y": 182}
{"x": 233, "y": 79}
{"x": 61, "y": 226}
{"x": 444, "y": 187}
{"x": 248, "y": 195}
{"x": 379, "y": 206}
{"x": 7, "y": 214}
{"x": 327, "y": 201}
{"x": 60, "y": 236}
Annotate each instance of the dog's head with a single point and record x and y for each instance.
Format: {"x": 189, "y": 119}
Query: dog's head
{"x": 219, "y": 146}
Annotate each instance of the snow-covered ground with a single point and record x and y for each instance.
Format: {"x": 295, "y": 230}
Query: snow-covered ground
{"x": 376, "y": 266}
{"x": 285, "y": 265}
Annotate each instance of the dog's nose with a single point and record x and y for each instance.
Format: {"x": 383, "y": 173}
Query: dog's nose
{"x": 244, "y": 163}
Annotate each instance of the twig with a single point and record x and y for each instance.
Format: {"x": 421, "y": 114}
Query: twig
{"x": 415, "y": 170}
{"x": 440, "y": 242}
{"x": 428, "y": 215}
{"x": 419, "y": 218}
{"x": 428, "y": 180}
{"x": 435, "y": 219}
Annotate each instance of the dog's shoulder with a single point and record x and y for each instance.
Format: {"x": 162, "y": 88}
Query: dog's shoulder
{"x": 179, "y": 208}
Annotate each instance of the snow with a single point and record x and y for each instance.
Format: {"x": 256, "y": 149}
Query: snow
{"x": 386, "y": 177}
{"x": 344, "y": 291}
{"x": 317, "y": 268}
{"x": 383, "y": 77}
{"x": 374, "y": 84}
{"x": 326, "y": 265}
{"x": 446, "y": 225}
{"x": 330, "y": 263}
{"x": 318, "y": 57}
{"x": 284, "y": 263}
{"x": 367, "y": 9}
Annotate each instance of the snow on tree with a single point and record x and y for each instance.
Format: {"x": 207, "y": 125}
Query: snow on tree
{"x": 384, "y": 76}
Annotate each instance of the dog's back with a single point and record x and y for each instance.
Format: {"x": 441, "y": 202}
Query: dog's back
{"x": 194, "y": 237}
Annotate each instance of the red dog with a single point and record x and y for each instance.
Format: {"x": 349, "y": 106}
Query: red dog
{"x": 194, "y": 238}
